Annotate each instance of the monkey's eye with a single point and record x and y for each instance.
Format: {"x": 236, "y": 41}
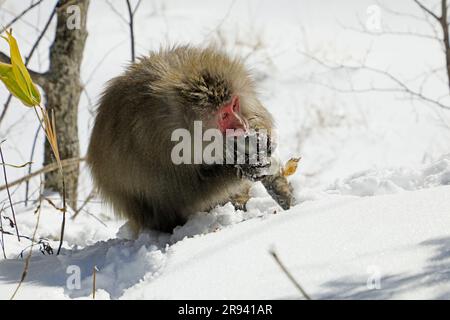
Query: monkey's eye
{"x": 224, "y": 115}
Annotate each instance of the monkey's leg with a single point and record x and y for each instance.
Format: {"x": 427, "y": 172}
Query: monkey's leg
{"x": 239, "y": 200}
{"x": 142, "y": 213}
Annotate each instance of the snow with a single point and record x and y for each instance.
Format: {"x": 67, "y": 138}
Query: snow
{"x": 372, "y": 190}
{"x": 332, "y": 245}
{"x": 385, "y": 181}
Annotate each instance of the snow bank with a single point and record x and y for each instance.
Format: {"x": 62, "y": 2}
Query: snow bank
{"x": 386, "y": 181}
{"x": 335, "y": 247}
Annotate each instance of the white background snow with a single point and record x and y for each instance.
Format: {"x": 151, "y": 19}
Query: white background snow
{"x": 372, "y": 218}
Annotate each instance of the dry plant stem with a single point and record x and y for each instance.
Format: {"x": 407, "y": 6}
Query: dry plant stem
{"x": 131, "y": 13}
{"x": 48, "y": 168}
{"x": 85, "y": 202}
{"x": 5, "y": 107}
{"x": 289, "y": 275}
{"x": 1, "y": 227}
{"x": 48, "y": 125}
{"x": 17, "y": 166}
{"x": 33, "y": 148}
{"x": 94, "y": 282}
{"x": 9, "y": 194}
{"x": 28, "y": 258}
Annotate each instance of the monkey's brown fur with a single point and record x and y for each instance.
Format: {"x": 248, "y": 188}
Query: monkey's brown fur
{"x": 129, "y": 152}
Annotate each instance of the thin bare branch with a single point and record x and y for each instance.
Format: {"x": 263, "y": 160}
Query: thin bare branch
{"x": 9, "y": 194}
{"x": 222, "y": 21}
{"x": 446, "y": 37}
{"x": 41, "y": 35}
{"x": 20, "y": 15}
{"x": 48, "y": 168}
{"x": 108, "y": 2}
{"x": 431, "y": 13}
{"x": 33, "y": 149}
{"x": 289, "y": 275}
{"x": 90, "y": 196}
{"x": 390, "y": 33}
{"x": 138, "y": 4}
{"x": 94, "y": 282}
{"x": 28, "y": 258}
{"x": 402, "y": 87}
{"x": 398, "y": 13}
{"x": 5, "y": 107}
{"x": 131, "y": 26}
{"x": 1, "y": 227}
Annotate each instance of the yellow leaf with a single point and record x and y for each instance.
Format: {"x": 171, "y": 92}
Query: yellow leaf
{"x": 4, "y": 68}
{"x": 290, "y": 167}
{"x": 16, "y": 77}
{"x": 12, "y": 86}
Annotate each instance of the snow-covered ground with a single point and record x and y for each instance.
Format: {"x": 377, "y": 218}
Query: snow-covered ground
{"x": 337, "y": 244}
{"x": 372, "y": 218}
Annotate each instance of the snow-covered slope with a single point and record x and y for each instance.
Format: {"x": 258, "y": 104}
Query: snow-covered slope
{"x": 337, "y": 246}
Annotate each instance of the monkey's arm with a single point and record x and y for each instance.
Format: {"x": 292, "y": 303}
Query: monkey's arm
{"x": 279, "y": 189}
{"x": 276, "y": 184}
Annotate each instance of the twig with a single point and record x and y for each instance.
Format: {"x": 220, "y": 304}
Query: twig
{"x": 401, "y": 86}
{"x": 41, "y": 35}
{"x": 85, "y": 202}
{"x": 18, "y": 17}
{"x": 50, "y": 202}
{"x": 137, "y": 6}
{"x": 289, "y": 275}
{"x": 17, "y": 166}
{"x": 431, "y": 13}
{"x": 9, "y": 194}
{"x": 21, "y": 236}
{"x": 222, "y": 21}
{"x": 131, "y": 13}
{"x": 94, "y": 281}
{"x": 49, "y": 127}
{"x": 48, "y": 168}
{"x": 1, "y": 227}
{"x": 5, "y": 106}
{"x": 28, "y": 258}
{"x": 33, "y": 148}
{"x": 108, "y": 2}
{"x": 63, "y": 223}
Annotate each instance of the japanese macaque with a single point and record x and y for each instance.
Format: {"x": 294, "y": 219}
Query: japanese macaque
{"x": 131, "y": 144}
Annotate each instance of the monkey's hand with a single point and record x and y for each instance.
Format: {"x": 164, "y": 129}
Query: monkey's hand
{"x": 253, "y": 172}
{"x": 252, "y": 156}
{"x": 257, "y": 163}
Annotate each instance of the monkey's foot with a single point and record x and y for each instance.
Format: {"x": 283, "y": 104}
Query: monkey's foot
{"x": 240, "y": 199}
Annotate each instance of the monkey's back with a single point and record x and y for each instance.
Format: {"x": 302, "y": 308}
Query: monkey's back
{"x": 130, "y": 147}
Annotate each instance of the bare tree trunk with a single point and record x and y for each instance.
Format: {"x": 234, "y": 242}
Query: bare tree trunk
{"x": 63, "y": 89}
{"x": 445, "y": 26}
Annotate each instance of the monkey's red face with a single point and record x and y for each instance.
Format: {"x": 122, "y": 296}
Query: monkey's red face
{"x": 230, "y": 120}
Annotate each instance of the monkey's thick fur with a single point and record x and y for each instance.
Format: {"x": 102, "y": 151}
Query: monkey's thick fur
{"x": 130, "y": 148}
